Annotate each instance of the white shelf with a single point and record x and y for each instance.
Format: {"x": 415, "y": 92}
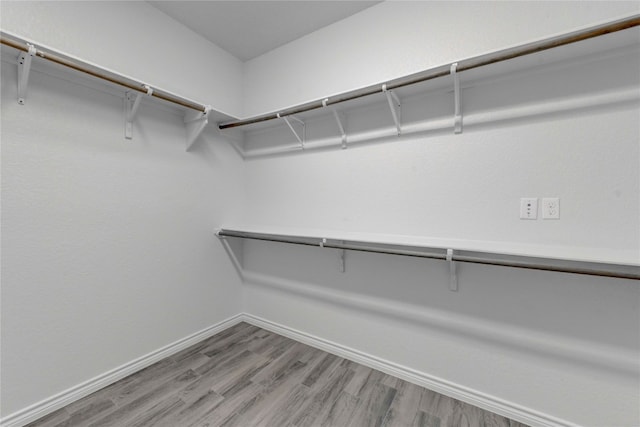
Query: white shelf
{"x": 619, "y": 257}
{"x": 272, "y": 136}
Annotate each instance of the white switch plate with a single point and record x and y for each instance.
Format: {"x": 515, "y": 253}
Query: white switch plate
{"x": 529, "y": 208}
{"x": 551, "y": 208}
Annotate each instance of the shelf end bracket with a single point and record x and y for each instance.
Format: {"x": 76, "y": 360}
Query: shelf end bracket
{"x": 24, "y": 68}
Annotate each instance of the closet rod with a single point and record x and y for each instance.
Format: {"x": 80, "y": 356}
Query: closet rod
{"x": 78, "y": 66}
{"x": 363, "y": 247}
{"x": 463, "y": 65}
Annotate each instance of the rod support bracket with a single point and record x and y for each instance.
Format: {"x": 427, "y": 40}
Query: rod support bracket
{"x": 195, "y": 122}
{"x": 341, "y": 122}
{"x": 453, "y": 276}
{"x": 394, "y": 106}
{"x": 132, "y": 103}
{"x": 342, "y": 263}
{"x": 457, "y": 115}
{"x": 24, "y": 68}
{"x": 300, "y": 136}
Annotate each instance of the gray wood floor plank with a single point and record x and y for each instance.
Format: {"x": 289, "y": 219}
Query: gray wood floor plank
{"x": 404, "y": 406}
{"x": 275, "y": 389}
{"x": 422, "y": 419}
{"x": 231, "y": 407}
{"x": 320, "y": 369}
{"x": 437, "y": 405}
{"x": 358, "y": 380}
{"x": 341, "y": 411}
{"x": 157, "y": 412}
{"x": 52, "y": 419}
{"x": 373, "y": 406}
{"x": 280, "y": 410}
{"x": 280, "y": 364}
{"x": 465, "y": 415}
{"x": 494, "y": 420}
{"x": 249, "y": 377}
{"x": 325, "y": 393}
{"x": 126, "y": 413}
{"x": 88, "y": 412}
{"x": 192, "y": 411}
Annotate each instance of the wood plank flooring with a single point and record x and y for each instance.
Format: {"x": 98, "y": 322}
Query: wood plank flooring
{"x": 247, "y": 376}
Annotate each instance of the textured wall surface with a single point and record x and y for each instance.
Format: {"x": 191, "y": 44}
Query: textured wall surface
{"x": 531, "y": 338}
{"x": 107, "y": 245}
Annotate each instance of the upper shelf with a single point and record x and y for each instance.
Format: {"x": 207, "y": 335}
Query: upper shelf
{"x": 293, "y": 129}
{"x": 23, "y": 53}
{"x": 576, "y": 38}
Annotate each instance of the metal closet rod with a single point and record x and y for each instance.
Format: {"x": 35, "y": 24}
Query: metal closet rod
{"x": 464, "y": 65}
{"x": 324, "y": 243}
{"x": 139, "y": 87}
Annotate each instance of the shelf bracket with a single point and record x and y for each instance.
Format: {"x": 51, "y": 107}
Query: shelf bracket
{"x": 232, "y": 251}
{"x": 299, "y": 136}
{"x": 195, "y": 122}
{"x": 453, "y": 277}
{"x": 342, "y": 264}
{"x": 131, "y": 109}
{"x": 457, "y": 116}
{"x": 341, "y": 120}
{"x": 394, "y": 106}
{"x": 24, "y": 68}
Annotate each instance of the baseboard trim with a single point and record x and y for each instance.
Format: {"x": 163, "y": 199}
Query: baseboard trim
{"x": 456, "y": 391}
{"x": 64, "y": 398}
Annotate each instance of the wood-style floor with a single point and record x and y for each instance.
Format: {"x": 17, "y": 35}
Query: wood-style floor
{"x": 247, "y": 376}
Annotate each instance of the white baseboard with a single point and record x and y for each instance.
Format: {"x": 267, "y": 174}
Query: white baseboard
{"x": 60, "y": 400}
{"x": 473, "y": 397}
{"x": 456, "y": 391}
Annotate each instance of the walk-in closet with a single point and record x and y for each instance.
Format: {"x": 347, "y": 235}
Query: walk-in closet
{"x": 320, "y": 213}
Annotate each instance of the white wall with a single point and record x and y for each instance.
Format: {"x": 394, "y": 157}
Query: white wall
{"x": 107, "y": 245}
{"x": 537, "y": 340}
{"x": 88, "y": 274}
{"x": 134, "y": 39}
{"x": 396, "y": 38}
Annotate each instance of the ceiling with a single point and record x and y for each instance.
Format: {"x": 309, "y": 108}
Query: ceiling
{"x": 247, "y": 29}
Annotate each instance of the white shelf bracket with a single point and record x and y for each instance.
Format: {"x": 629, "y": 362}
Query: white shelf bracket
{"x": 457, "y": 116}
{"x": 195, "y": 122}
{"x": 453, "y": 277}
{"x": 299, "y": 136}
{"x": 394, "y": 106}
{"x": 24, "y": 68}
{"x": 342, "y": 264}
{"x": 132, "y": 103}
{"x": 341, "y": 120}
